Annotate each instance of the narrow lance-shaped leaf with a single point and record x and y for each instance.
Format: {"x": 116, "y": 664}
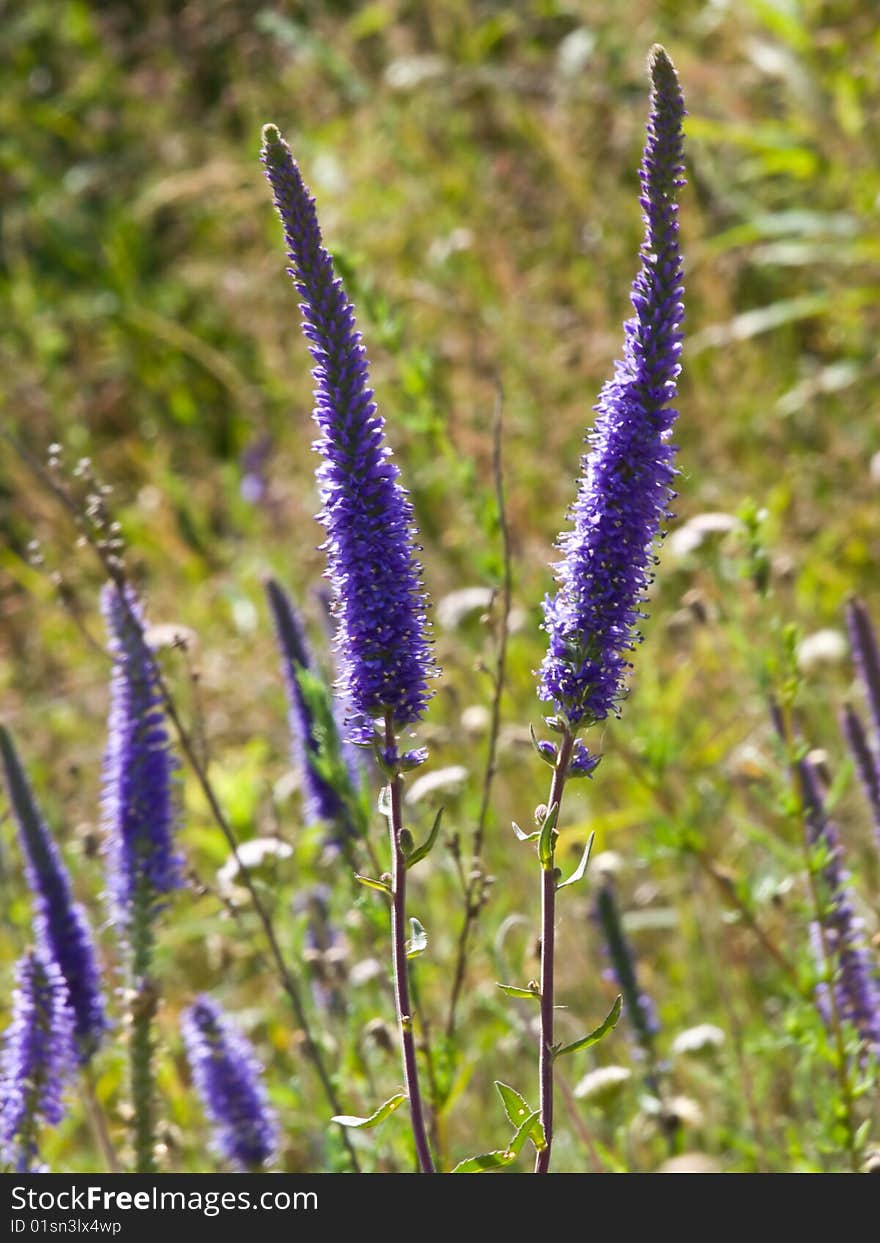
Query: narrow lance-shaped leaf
{"x": 504, "y": 1156}
{"x": 427, "y": 846}
{"x": 594, "y": 1036}
{"x": 514, "y": 990}
{"x": 369, "y": 883}
{"x": 364, "y": 1124}
{"x": 516, "y": 1108}
{"x": 578, "y": 873}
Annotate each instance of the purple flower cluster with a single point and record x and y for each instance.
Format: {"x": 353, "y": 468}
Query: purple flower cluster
{"x": 138, "y": 766}
{"x": 856, "y": 988}
{"x": 865, "y": 751}
{"x": 227, "y": 1076}
{"x": 62, "y": 930}
{"x": 625, "y": 488}
{"x": 382, "y": 631}
{"x": 322, "y": 800}
{"x": 37, "y": 1061}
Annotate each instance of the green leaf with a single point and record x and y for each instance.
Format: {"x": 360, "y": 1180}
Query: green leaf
{"x": 373, "y": 884}
{"x": 524, "y": 837}
{"x": 384, "y": 1111}
{"x": 516, "y": 1108}
{"x": 594, "y": 1036}
{"x": 504, "y": 1156}
{"x": 427, "y": 846}
{"x": 578, "y": 873}
{"x": 547, "y": 842}
{"x": 513, "y": 990}
{"x": 418, "y": 942}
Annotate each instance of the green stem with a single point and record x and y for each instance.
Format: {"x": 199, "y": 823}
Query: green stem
{"x": 143, "y": 1009}
{"x": 548, "y": 960}
{"x": 401, "y": 967}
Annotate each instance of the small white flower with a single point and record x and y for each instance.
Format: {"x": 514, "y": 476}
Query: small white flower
{"x": 689, "y": 537}
{"x": 825, "y": 647}
{"x": 251, "y": 854}
{"x": 441, "y": 779}
{"x": 704, "y": 1038}
{"x": 365, "y": 971}
{"x": 452, "y": 609}
{"x": 475, "y": 719}
{"x": 603, "y": 1084}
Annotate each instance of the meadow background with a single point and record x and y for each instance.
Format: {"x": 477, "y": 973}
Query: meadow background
{"x": 475, "y": 166}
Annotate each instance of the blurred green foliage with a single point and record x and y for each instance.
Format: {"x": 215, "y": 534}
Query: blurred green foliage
{"x": 475, "y": 166}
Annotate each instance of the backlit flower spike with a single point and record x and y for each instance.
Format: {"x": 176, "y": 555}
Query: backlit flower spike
{"x": 139, "y": 768}
{"x": 37, "y": 1061}
{"x": 626, "y": 485}
{"x": 62, "y": 929}
{"x": 228, "y": 1078}
{"x": 856, "y": 987}
{"x": 866, "y": 653}
{"x": 382, "y": 633}
{"x": 866, "y": 762}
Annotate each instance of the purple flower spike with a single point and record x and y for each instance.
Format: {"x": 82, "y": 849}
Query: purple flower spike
{"x": 382, "y": 637}
{"x": 62, "y": 930}
{"x": 867, "y": 765}
{"x": 863, "y": 641}
{"x": 37, "y": 1061}
{"x": 138, "y": 766}
{"x": 227, "y": 1076}
{"x": 625, "y": 488}
{"x": 856, "y": 989}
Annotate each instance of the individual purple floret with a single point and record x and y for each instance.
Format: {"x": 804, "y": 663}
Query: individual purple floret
{"x": 625, "y": 488}
{"x": 227, "y": 1076}
{"x": 856, "y": 988}
{"x": 382, "y": 637}
{"x": 37, "y": 1061}
{"x": 62, "y": 929}
{"x": 322, "y": 800}
{"x": 138, "y": 766}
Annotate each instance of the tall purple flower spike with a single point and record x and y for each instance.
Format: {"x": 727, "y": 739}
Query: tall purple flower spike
{"x": 856, "y": 988}
{"x": 865, "y": 750}
{"x": 37, "y": 1061}
{"x": 383, "y": 640}
{"x": 625, "y": 487}
{"x": 138, "y": 767}
{"x": 63, "y": 933}
{"x": 227, "y": 1076}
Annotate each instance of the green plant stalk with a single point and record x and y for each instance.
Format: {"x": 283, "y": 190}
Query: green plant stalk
{"x": 143, "y": 1009}
{"x": 847, "y": 1095}
{"x": 548, "y": 963}
{"x": 401, "y": 966}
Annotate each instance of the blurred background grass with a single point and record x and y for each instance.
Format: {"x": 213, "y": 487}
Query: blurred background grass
{"x": 476, "y": 172}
